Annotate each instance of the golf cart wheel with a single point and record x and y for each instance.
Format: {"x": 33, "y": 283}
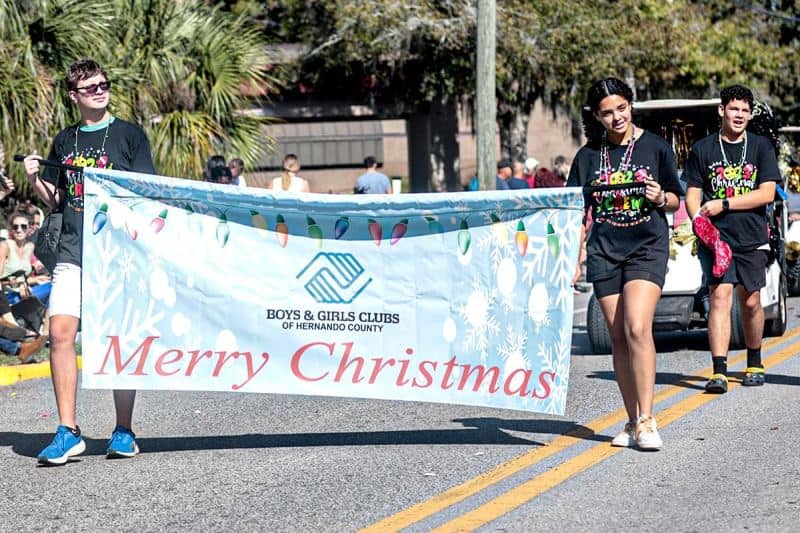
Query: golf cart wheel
{"x": 793, "y": 280}
{"x": 599, "y": 338}
{"x": 777, "y": 326}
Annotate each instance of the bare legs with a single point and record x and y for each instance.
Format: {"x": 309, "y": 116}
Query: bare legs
{"x": 630, "y": 323}
{"x": 719, "y": 320}
{"x": 64, "y": 367}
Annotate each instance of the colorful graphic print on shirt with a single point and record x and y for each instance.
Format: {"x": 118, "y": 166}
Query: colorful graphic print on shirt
{"x": 90, "y": 157}
{"x": 624, "y": 206}
{"x": 732, "y": 180}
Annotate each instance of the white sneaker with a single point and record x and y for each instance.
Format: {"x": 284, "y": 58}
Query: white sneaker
{"x": 624, "y": 438}
{"x": 647, "y": 437}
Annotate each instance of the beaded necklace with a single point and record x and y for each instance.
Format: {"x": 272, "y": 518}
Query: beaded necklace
{"x": 725, "y": 158}
{"x": 105, "y": 138}
{"x": 605, "y": 159}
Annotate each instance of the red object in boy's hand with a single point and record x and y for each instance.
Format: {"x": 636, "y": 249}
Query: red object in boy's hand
{"x": 707, "y": 232}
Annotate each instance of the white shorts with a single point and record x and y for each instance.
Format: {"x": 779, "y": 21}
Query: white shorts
{"x": 65, "y": 296}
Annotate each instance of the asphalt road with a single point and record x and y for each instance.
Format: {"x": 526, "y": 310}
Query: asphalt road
{"x": 233, "y": 462}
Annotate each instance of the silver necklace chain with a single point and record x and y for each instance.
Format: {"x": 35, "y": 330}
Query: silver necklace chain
{"x": 105, "y": 138}
{"x": 624, "y": 163}
{"x": 725, "y": 157}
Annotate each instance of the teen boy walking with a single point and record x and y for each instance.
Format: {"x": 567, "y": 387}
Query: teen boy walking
{"x": 731, "y": 178}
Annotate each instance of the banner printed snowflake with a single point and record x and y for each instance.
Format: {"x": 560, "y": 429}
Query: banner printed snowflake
{"x": 512, "y": 351}
{"x": 479, "y": 318}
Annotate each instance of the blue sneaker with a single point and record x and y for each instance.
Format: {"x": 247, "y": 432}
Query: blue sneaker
{"x": 65, "y": 445}
{"x": 122, "y": 443}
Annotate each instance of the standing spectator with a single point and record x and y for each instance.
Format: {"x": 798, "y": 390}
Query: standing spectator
{"x": 372, "y": 181}
{"x": 503, "y": 175}
{"x": 547, "y": 178}
{"x": 105, "y": 141}
{"x": 561, "y": 167}
{"x": 289, "y": 181}
{"x": 217, "y": 170}
{"x": 517, "y": 180}
{"x": 531, "y": 164}
{"x": 628, "y": 246}
{"x": 237, "y": 169}
{"x": 731, "y": 176}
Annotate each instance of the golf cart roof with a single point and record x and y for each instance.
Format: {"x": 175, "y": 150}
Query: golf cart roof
{"x": 675, "y": 103}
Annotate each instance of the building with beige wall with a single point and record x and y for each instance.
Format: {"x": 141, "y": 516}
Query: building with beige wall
{"x": 330, "y": 153}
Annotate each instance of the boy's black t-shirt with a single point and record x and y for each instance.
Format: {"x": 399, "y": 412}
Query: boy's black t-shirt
{"x": 119, "y": 146}
{"x": 625, "y": 224}
{"x": 705, "y": 169}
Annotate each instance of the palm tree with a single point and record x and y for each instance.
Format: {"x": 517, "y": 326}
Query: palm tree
{"x": 189, "y": 72}
{"x": 181, "y": 69}
{"x": 36, "y": 39}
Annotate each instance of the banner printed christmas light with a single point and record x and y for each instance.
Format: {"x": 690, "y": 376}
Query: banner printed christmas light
{"x": 375, "y": 231}
{"x": 552, "y": 239}
{"x": 499, "y": 229}
{"x": 464, "y": 238}
{"x": 257, "y": 220}
{"x": 435, "y": 227}
{"x": 100, "y": 219}
{"x": 314, "y": 231}
{"x": 521, "y": 239}
{"x": 223, "y": 231}
{"x": 281, "y": 231}
{"x": 398, "y": 231}
{"x": 340, "y": 228}
{"x": 157, "y": 224}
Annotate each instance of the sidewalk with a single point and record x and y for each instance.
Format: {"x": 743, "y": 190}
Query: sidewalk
{"x": 13, "y": 373}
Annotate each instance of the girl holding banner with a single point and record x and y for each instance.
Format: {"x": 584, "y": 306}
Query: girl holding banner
{"x": 629, "y": 179}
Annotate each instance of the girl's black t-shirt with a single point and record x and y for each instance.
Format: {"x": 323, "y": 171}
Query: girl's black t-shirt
{"x": 706, "y": 169}
{"x": 120, "y": 146}
{"x": 624, "y": 223}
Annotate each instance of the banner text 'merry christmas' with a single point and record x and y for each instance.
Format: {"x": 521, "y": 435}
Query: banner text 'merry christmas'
{"x": 344, "y": 367}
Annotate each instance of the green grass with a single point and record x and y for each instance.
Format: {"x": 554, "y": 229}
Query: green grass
{"x": 6, "y": 360}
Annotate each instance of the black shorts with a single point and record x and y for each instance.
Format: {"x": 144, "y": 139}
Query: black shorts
{"x": 609, "y": 278}
{"x": 748, "y": 269}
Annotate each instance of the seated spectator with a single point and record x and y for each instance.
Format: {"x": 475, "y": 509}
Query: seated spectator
{"x": 16, "y": 255}
{"x": 16, "y": 340}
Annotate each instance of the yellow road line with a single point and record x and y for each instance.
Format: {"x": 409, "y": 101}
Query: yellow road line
{"x": 522, "y": 494}
{"x": 441, "y": 501}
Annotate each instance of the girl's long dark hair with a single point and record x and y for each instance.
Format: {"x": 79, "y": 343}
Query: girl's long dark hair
{"x": 594, "y": 131}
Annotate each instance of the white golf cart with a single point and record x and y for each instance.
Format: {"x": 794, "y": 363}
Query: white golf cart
{"x": 684, "y": 300}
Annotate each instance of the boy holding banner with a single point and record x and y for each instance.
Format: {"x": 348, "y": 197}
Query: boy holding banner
{"x": 104, "y": 141}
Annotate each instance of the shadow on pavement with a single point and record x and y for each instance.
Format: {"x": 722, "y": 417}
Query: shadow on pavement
{"x": 662, "y": 378}
{"x": 666, "y": 342}
{"x": 30, "y": 444}
{"x": 553, "y": 427}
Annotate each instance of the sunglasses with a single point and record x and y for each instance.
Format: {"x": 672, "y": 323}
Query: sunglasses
{"x": 93, "y": 88}
{"x": 19, "y": 226}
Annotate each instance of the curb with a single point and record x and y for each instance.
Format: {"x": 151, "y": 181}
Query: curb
{"x": 16, "y": 373}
